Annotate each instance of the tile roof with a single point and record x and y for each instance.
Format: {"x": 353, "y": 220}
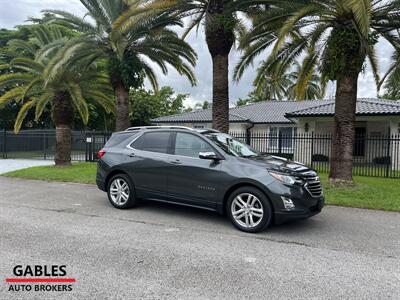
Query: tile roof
{"x": 364, "y": 107}
{"x": 279, "y": 112}
{"x": 203, "y": 115}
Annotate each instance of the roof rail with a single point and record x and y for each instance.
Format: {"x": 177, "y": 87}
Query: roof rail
{"x": 157, "y": 127}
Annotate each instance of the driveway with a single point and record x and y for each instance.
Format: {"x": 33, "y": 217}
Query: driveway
{"x": 165, "y": 251}
{"x": 8, "y": 165}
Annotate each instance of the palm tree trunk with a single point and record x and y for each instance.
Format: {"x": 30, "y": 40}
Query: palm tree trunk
{"x": 63, "y": 116}
{"x": 220, "y": 107}
{"x": 219, "y": 41}
{"x": 122, "y": 104}
{"x": 343, "y": 133}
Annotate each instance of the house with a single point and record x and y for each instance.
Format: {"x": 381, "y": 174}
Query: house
{"x": 376, "y": 121}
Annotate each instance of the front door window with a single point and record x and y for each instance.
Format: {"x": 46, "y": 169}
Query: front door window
{"x": 190, "y": 145}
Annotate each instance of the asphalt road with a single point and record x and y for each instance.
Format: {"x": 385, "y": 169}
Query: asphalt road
{"x": 163, "y": 251}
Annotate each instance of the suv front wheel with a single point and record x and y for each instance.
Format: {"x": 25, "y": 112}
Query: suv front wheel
{"x": 249, "y": 209}
{"x": 120, "y": 191}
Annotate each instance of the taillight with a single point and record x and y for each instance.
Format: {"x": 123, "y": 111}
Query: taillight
{"x": 101, "y": 153}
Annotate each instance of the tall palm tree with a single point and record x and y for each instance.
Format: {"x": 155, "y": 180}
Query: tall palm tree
{"x": 149, "y": 38}
{"x": 222, "y": 26}
{"x": 335, "y": 35}
{"x": 66, "y": 92}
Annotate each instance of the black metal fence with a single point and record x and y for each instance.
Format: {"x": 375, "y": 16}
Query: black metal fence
{"x": 374, "y": 155}
{"x": 41, "y": 144}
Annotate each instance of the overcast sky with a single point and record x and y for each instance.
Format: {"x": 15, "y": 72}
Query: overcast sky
{"x": 14, "y": 12}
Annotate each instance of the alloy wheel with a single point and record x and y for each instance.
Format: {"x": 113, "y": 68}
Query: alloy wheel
{"x": 119, "y": 191}
{"x": 247, "y": 210}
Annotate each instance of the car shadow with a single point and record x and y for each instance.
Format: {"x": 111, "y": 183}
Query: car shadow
{"x": 214, "y": 218}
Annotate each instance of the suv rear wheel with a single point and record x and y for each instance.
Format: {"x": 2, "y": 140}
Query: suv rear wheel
{"x": 120, "y": 191}
{"x": 249, "y": 209}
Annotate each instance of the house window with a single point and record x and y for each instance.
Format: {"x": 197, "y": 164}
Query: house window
{"x": 359, "y": 141}
{"x": 281, "y": 138}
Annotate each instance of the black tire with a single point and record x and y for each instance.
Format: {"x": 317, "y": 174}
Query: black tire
{"x": 131, "y": 200}
{"x": 260, "y": 223}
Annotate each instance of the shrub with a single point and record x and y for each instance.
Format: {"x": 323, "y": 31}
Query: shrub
{"x": 383, "y": 160}
{"x": 320, "y": 157}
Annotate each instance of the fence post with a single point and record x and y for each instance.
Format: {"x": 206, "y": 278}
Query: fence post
{"x": 86, "y": 148}
{"x": 93, "y": 145}
{"x": 248, "y": 137}
{"x": 5, "y": 143}
{"x": 389, "y": 160}
{"x": 279, "y": 143}
{"x": 44, "y": 145}
{"x": 312, "y": 149}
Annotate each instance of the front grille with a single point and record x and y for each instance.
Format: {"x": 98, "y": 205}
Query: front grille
{"x": 313, "y": 183}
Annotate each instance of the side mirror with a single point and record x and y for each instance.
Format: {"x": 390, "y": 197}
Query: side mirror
{"x": 208, "y": 155}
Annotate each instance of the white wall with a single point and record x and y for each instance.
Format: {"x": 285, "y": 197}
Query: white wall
{"x": 395, "y": 151}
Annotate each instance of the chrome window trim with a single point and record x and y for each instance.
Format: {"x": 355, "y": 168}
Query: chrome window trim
{"x": 134, "y": 139}
{"x": 193, "y": 132}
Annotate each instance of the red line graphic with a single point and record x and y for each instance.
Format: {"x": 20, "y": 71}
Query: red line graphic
{"x": 40, "y": 280}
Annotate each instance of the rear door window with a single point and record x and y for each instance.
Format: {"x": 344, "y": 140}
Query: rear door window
{"x": 154, "y": 142}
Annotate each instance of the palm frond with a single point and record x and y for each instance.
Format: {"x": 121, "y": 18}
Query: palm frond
{"x": 79, "y": 102}
{"x": 362, "y": 12}
{"x": 26, "y": 64}
{"x": 41, "y": 103}
{"x": 22, "y": 114}
{"x": 11, "y": 79}
{"x": 373, "y": 60}
{"x": 14, "y": 94}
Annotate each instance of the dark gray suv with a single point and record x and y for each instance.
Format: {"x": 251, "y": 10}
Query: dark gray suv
{"x": 208, "y": 169}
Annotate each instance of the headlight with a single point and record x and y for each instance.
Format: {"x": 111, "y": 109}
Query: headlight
{"x": 283, "y": 178}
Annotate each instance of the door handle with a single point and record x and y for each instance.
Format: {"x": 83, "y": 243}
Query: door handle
{"x": 132, "y": 154}
{"x": 176, "y": 161}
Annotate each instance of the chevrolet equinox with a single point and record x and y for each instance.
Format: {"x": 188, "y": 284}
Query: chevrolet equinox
{"x": 207, "y": 169}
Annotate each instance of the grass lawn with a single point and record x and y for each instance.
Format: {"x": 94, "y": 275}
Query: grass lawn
{"x": 369, "y": 192}
{"x": 78, "y": 172}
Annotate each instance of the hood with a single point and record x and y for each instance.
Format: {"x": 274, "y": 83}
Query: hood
{"x": 281, "y": 164}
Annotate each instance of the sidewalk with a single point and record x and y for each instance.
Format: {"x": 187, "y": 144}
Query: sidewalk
{"x": 8, "y": 165}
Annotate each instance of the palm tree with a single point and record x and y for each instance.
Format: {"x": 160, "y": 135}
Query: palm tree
{"x": 66, "y": 92}
{"x": 335, "y": 35}
{"x": 222, "y": 26}
{"x": 391, "y": 80}
{"x": 314, "y": 87}
{"x": 127, "y": 54}
{"x": 272, "y": 84}
{"x": 282, "y": 83}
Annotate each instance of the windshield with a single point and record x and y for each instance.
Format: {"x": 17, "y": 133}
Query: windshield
{"x": 232, "y": 146}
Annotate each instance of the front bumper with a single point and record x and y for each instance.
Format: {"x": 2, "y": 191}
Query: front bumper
{"x": 284, "y": 216}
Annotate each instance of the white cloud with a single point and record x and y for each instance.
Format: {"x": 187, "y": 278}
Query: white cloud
{"x": 14, "y": 12}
